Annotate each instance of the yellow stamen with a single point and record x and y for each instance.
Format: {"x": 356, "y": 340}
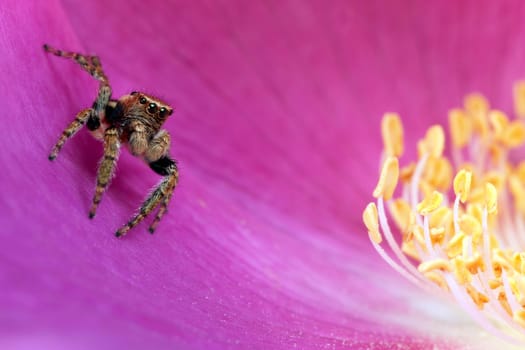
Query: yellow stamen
{"x": 520, "y": 170}
{"x": 475, "y": 264}
{"x": 461, "y": 220}
{"x": 462, "y": 183}
{"x": 438, "y": 264}
{"x": 497, "y": 178}
{"x": 478, "y": 298}
{"x": 470, "y": 225}
{"x": 388, "y": 179}
{"x": 455, "y": 245}
{"x": 426, "y": 188}
{"x": 518, "y": 262}
{"x": 407, "y": 172}
{"x": 502, "y": 298}
{"x": 419, "y": 235}
{"x": 496, "y": 152}
{"x": 519, "y": 98}
{"x": 436, "y": 277}
{"x": 409, "y": 248}
{"x": 519, "y": 281}
{"x": 519, "y": 316}
{"x": 460, "y": 127}
{"x": 430, "y": 203}
{"x": 477, "y": 196}
{"x": 517, "y": 189}
{"x": 476, "y": 104}
{"x": 514, "y": 135}
{"x": 371, "y": 221}
{"x": 440, "y": 217}
{"x": 438, "y": 173}
{"x": 495, "y": 283}
{"x": 500, "y": 261}
{"x": 477, "y": 107}
{"x": 402, "y": 215}
{"x": 392, "y": 132}
{"x": 491, "y": 198}
{"x": 499, "y": 122}
{"x": 433, "y": 143}
{"x": 437, "y": 234}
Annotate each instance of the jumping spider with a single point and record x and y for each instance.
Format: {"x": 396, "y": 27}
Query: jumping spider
{"x": 136, "y": 120}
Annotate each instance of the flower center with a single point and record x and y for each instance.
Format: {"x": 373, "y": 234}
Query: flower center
{"x": 461, "y": 217}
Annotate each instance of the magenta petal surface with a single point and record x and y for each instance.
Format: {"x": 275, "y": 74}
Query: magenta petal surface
{"x": 276, "y": 131}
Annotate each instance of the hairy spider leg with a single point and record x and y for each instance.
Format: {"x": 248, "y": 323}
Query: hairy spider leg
{"x": 92, "y": 65}
{"x": 163, "y": 208}
{"x": 71, "y": 130}
{"x": 138, "y": 139}
{"x": 160, "y": 195}
{"x": 158, "y": 146}
{"x": 106, "y": 167}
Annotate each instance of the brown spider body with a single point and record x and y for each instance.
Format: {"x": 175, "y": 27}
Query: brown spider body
{"x": 138, "y": 118}
{"x": 134, "y": 120}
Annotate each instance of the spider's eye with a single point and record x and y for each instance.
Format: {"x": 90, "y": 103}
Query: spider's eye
{"x": 143, "y": 100}
{"x": 133, "y": 93}
{"x": 152, "y": 108}
{"x": 163, "y": 111}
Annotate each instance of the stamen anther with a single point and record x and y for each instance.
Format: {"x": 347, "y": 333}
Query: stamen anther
{"x": 462, "y": 183}
{"x": 437, "y": 264}
{"x": 392, "y": 132}
{"x": 491, "y": 198}
{"x": 430, "y": 203}
{"x": 371, "y": 220}
{"x": 519, "y": 98}
{"x": 388, "y": 179}
{"x": 460, "y": 127}
{"x": 433, "y": 143}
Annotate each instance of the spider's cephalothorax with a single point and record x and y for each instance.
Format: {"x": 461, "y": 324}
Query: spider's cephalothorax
{"x": 136, "y": 120}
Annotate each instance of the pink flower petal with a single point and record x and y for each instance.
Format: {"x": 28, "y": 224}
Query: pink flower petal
{"x": 276, "y": 130}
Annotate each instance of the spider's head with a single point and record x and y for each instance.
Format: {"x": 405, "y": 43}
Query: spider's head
{"x": 146, "y": 106}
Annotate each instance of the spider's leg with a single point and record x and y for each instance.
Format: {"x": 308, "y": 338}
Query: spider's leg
{"x": 161, "y": 194}
{"x": 158, "y": 146}
{"x": 100, "y": 75}
{"x": 163, "y": 208}
{"x": 71, "y": 130}
{"x": 90, "y": 64}
{"x": 106, "y": 167}
{"x": 138, "y": 139}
